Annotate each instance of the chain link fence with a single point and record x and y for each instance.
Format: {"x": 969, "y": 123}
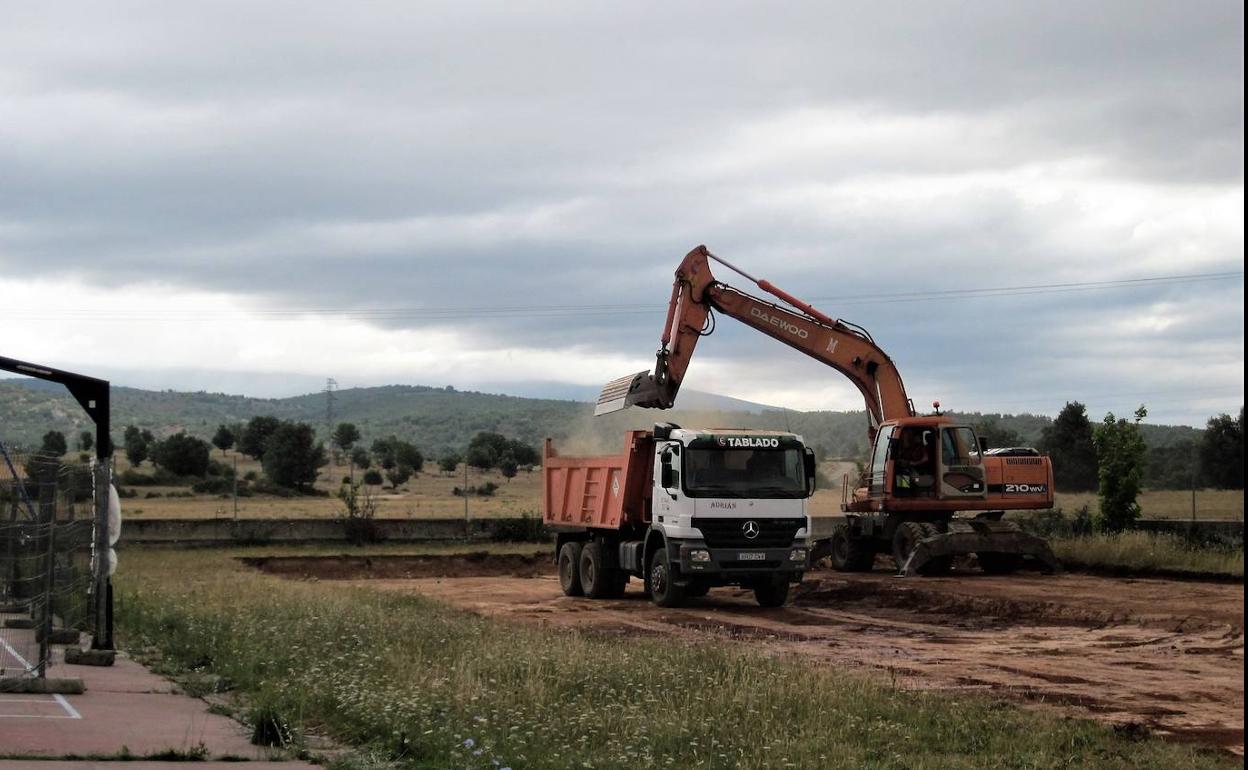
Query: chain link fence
{"x": 47, "y": 513}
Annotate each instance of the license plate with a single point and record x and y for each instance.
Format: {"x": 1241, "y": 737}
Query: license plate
{"x": 751, "y": 557}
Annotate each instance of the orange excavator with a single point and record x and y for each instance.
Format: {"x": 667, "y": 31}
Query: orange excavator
{"x": 931, "y": 489}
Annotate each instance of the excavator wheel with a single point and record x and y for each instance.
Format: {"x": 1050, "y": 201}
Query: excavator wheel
{"x": 570, "y": 569}
{"x": 849, "y": 553}
{"x": 941, "y": 565}
{"x": 999, "y": 563}
{"x": 907, "y": 536}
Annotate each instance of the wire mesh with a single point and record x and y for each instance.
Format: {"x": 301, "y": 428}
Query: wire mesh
{"x": 46, "y": 525}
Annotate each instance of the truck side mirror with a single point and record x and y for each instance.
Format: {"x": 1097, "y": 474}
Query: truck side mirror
{"x": 668, "y": 478}
{"x": 983, "y": 445}
{"x": 811, "y": 466}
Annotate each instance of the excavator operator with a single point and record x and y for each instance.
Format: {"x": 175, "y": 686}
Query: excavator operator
{"x": 913, "y": 462}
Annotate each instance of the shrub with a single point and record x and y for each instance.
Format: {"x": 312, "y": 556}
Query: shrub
{"x": 1121, "y": 453}
{"x": 358, "y": 514}
{"x": 213, "y": 486}
{"x": 528, "y": 528}
{"x": 182, "y": 454}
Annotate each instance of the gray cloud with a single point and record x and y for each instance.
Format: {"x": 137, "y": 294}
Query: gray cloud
{"x": 372, "y": 155}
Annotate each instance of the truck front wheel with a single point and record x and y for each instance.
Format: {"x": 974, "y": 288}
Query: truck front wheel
{"x": 570, "y": 569}
{"x": 772, "y": 593}
{"x": 663, "y": 590}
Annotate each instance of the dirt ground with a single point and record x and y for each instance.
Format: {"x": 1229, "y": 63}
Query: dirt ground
{"x": 1168, "y": 655}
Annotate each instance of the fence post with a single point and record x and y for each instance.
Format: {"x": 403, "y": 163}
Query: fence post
{"x": 47, "y": 515}
{"x": 102, "y": 638}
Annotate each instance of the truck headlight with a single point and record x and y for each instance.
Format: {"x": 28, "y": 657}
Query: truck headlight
{"x": 699, "y": 555}
{"x": 797, "y": 554}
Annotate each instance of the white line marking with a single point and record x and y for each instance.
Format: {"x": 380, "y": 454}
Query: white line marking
{"x": 73, "y": 712}
{"x": 16, "y": 655}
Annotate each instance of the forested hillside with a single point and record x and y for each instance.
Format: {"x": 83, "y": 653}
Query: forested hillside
{"x": 439, "y": 418}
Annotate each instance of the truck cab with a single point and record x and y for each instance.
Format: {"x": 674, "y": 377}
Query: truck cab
{"x": 685, "y": 510}
{"x": 733, "y": 503}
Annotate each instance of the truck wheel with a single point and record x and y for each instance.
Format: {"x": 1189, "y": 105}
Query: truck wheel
{"x": 619, "y": 581}
{"x": 772, "y": 593}
{"x": 596, "y": 579}
{"x": 849, "y": 553}
{"x": 907, "y": 536}
{"x": 697, "y": 588}
{"x": 663, "y": 590}
{"x": 999, "y": 563}
{"x": 570, "y": 569}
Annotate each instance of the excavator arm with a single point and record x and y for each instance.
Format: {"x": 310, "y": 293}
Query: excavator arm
{"x": 697, "y": 295}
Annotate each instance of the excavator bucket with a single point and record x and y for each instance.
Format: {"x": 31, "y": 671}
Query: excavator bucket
{"x": 1000, "y": 547}
{"x": 625, "y": 392}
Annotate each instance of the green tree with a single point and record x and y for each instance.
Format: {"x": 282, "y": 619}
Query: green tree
{"x": 182, "y": 454}
{"x": 256, "y": 436}
{"x": 398, "y": 475}
{"x": 292, "y": 455}
{"x": 223, "y": 439}
{"x": 345, "y": 436}
{"x": 392, "y": 451}
{"x": 996, "y": 434}
{"x": 1068, "y": 442}
{"x": 373, "y": 477}
{"x": 508, "y": 466}
{"x": 449, "y": 462}
{"x": 54, "y": 443}
{"x": 360, "y": 458}
{"x": 86, "y": 441}
{"x": 135, "y": 444}
{"x": 1121, "y": 453}
{"x": 1222, "y": 451}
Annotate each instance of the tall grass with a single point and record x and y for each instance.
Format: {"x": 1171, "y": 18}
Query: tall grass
{"x": 428, "y": 686}
{"x": 1148, "y": 551}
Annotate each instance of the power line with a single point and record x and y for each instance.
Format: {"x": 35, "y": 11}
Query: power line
{"x": 607, "y": 309}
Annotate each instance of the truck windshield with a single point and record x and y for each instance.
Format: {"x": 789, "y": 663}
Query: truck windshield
{"x": 754, "y": 473}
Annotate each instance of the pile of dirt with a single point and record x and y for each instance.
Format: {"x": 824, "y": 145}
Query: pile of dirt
{"x": 401, "y": 566}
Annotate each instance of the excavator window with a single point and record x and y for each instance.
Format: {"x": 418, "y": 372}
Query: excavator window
{"x": 959, "y": 447}
{"x": 914, "y": 466}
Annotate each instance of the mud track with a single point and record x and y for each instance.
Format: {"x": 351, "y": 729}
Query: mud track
{"x": 1165, "y": 655}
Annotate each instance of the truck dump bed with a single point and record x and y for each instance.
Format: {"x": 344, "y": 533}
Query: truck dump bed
{"x": 600, "y": 492}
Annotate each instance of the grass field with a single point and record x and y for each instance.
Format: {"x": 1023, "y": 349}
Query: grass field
{"x": 416, "y": 684}
{"x": 429, "y": 495}
{"x": 1227, "y": 504}
{"x": 1145, "y": 552}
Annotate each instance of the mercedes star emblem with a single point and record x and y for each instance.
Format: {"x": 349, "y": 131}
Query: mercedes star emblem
{"x": 750, "y": 528}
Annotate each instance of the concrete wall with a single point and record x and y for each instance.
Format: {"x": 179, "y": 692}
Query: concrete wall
{"x": 209, "y": 532}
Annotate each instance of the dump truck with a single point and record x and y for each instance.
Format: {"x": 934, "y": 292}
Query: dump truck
{"x": 931, "y": 491}
{"x": 684, "y": 510}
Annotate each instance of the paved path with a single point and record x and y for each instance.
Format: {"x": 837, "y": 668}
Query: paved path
{"x": 125, "y": 708}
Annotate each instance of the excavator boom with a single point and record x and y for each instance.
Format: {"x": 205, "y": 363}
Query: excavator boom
{"x": 697, "y": 295}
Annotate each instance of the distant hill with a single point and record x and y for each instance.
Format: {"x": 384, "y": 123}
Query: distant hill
{"x": 440, "y": 418}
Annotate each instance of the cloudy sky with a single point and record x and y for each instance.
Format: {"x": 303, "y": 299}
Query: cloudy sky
{"x": 252, "y": 197}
